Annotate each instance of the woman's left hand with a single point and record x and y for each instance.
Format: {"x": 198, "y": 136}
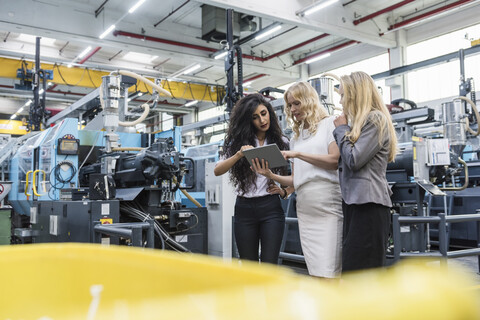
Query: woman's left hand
{"x": 274, "y": 189}
{"x": 340, "y": 120}
{"x": 261, "y": 167}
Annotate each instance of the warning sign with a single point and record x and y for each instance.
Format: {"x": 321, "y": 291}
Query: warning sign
{"x": 106, "y": 220}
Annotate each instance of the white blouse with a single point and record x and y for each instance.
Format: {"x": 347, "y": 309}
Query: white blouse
{"x": 315, "y": 144}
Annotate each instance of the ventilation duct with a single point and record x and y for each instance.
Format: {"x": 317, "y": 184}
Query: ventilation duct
{"x": 214, "y": 24}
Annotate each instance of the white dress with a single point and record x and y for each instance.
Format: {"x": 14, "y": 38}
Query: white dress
{"x": 319, "y": 204}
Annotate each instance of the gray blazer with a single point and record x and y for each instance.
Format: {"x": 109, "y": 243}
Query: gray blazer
{"x": 362, "y": 166}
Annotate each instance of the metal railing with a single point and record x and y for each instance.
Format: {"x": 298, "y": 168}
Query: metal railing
{"x": 133, "y": 231}
{"x": 442, "y": 220}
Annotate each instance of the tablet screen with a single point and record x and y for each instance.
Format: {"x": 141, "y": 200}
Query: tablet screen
{"x": 270, "y": 153}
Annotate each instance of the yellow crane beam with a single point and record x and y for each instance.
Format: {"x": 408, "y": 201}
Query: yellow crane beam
{"x": 85, "y": 77}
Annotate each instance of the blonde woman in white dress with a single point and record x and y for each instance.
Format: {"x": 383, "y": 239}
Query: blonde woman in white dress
{"x": 314, "y": 175}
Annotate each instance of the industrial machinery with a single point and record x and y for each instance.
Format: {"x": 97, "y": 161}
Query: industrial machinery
{"x": 436, "y": 174}
{"x": 102, "y": 184}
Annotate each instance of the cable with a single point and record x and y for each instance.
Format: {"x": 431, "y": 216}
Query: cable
{"x": 161, "y": 232}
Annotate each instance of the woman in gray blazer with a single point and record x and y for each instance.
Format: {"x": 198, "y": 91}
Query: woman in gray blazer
{"x": 366, "y": 138}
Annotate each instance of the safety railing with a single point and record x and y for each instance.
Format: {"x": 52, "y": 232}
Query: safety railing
{"x": 133, "y": 231}
{"x": 442, "y": 220}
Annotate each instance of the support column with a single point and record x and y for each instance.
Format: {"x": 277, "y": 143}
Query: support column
{"x": 304, "y": 72}
{"x": 398, "y": 58}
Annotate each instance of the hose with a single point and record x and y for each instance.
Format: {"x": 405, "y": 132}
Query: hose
{"x": 146, "y": 108}
{"x": 145, "y": 105}
{"x": 477, "y": 115}
{"x": 195, "y": 202}
{"x": 142, "y": 79}
{"x": 465, "y": 184}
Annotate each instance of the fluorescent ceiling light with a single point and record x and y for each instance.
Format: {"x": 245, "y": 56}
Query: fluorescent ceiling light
{"x": 323, "y": 56}
{"x": 315, "y": 7}
{"x": 137, "y": 57}
{"x": 220, "y": 55}
{"x": 13, "y": 116}
{"x": 20, "y": 110}
{"x": 41, "y": 91}
{"x": 29, "y": 102}
{"x": 84, "y": 52}
{"x": 191, "y": 103}
{"x": 266, "y": 33}
{"x": 106, "y": 32}
{"x": 190, "y": 70}
{"x": 247, "y": 84}
{"x": 135, "y": 7}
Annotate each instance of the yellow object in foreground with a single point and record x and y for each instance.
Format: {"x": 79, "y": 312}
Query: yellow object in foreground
{"x": 86, "y": 281}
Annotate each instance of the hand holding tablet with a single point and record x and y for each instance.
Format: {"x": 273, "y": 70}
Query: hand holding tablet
{"x": 270, "y": 153}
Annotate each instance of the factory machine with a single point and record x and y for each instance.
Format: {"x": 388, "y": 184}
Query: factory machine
{"x": 104, "y": 185}
{"x": 436, "y": 175}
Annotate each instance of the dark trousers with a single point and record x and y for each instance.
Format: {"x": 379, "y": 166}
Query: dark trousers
{"x": 365, "y": 234}
{"x": 259, "y": 221}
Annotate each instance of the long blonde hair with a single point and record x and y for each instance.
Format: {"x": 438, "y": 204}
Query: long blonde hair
{"x": 361, "y": 103}
{"x": 309, "y": 103}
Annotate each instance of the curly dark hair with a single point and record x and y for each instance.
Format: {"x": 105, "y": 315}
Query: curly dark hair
{"x": 241, "y": 131}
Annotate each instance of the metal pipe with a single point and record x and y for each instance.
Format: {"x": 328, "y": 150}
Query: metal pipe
{"x": 427, "y": 14}
{"x": 170, "y": 42}
{"x": 90, "y": 55}
{"x": 197, "y": 47}
{"x": 332, "y": 49}
{"x": 295, "y": 47}
{"x": 387, "y": 9}
{"x": 156, "y": 24}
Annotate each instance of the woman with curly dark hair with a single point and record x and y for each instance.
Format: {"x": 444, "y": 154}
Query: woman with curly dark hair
{"x": 259, "y": 217}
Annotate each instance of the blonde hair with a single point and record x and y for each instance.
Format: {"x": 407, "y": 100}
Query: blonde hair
{"x": 361, "y": 103}
{"x": 309, "y": 103}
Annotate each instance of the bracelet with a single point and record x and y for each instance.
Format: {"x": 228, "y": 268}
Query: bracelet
{"x": 285, "y": 194}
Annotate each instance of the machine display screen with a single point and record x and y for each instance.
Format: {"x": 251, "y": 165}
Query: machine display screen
{"x": 67, "y": 146}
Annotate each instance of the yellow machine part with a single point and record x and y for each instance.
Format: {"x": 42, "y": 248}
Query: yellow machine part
{"x": 16, "y": 127}
{"x": 84, "y": 77}
{"x": 87, "y": 281}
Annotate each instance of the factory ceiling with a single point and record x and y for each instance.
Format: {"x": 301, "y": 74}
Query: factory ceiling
{"x": 164, "y": 38}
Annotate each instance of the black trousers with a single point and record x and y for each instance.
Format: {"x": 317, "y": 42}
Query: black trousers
{"x": 365, "y": 235}
{"x": 259, "y": 221}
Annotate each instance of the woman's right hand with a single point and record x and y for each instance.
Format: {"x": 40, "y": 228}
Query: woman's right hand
{"x": 289, "y": 154}
{"x": 245, "y": 147}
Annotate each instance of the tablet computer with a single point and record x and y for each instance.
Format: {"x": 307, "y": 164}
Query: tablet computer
{"x": 270, "y": 153}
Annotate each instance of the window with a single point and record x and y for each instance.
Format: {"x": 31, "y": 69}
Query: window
{"x": 371, "y": 66}
{"x": 442, "y": 80}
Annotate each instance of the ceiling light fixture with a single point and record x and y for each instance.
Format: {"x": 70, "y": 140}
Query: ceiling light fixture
{"x": 131, "y": 10}
{"x": 315, "y": 7}
{"x": 191, "y": 103}
{"x": 135, "y": 6}
{"x": 323, "y": 56}
{"x": 247, "y": 84}
{"x": 84, "y": 53}
{"x": 268, "y": 32}
{"x": 13, "y": 116}
{"x": 190, "y": 70}
{"x": 106, "y": 32}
